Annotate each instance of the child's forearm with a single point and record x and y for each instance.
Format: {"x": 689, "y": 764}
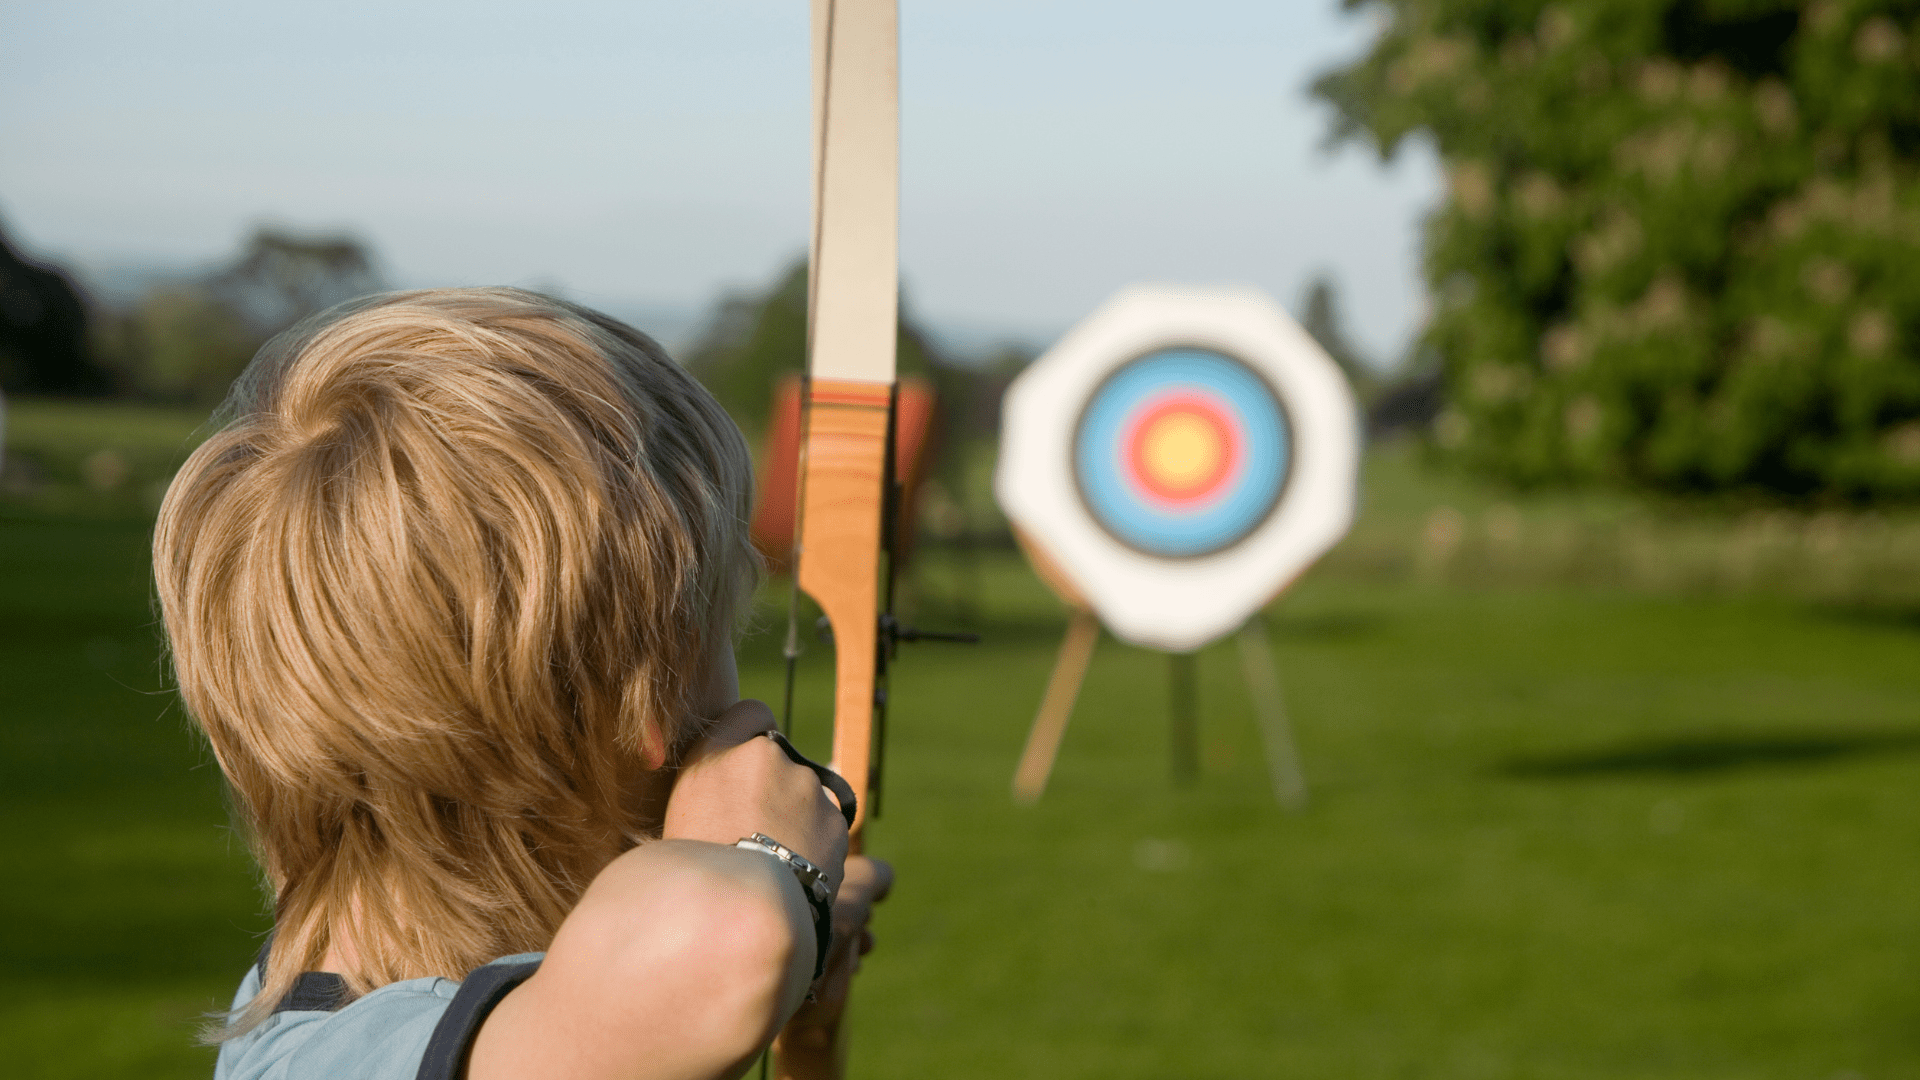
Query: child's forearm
{"x": 681, "y": 961}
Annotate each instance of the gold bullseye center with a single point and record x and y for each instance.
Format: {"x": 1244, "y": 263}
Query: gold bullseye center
{"x": 1181, "y": 450}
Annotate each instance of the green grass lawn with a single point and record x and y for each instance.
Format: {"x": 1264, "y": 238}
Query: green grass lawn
{"x": 1573, "y": 833}
{"x": 93, "y": 459}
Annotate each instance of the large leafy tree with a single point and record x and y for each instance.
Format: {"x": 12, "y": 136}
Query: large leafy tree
{"x": 1681, "y": 241}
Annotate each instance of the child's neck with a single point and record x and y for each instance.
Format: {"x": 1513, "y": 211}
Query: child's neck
{"x": 343, "y": 952}
{"x": 343, "y": 957}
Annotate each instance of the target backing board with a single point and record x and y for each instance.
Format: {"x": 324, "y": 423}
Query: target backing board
{"x": 1179, "y": 457}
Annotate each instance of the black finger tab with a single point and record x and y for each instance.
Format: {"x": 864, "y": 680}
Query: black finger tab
{"x": 832, "y": 781}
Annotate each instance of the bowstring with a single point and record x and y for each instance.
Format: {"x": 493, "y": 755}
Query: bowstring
{"x": 891, "y": 495}
{"x": 791, "y": 648}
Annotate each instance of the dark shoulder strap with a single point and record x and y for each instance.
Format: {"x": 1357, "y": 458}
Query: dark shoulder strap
{"x": 452, "y": 1041}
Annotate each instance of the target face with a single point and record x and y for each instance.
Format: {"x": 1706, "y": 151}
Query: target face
{"x": 1176, "y": 459}
{"x": 1182, "y": 452}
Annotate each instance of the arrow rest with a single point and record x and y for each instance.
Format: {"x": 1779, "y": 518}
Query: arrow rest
{"x": 893, "y": 631}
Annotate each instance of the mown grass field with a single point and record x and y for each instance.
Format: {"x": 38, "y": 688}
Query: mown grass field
{"x": 1558, "y": 832}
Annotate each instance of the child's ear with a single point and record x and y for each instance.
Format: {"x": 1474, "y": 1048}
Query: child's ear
{"x": 653, "y": 746}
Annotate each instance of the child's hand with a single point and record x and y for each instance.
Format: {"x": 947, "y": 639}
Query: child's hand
{"x": 735, "y": 784}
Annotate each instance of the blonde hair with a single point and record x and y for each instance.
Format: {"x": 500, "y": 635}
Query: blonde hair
{"x": 451, "y": 569}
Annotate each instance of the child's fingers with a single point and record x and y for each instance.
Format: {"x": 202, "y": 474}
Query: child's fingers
{"x": 736, "y": 784}
{"x": 867, "y": 881}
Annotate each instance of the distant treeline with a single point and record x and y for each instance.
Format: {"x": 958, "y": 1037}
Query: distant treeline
{"x": 186, "y": 337}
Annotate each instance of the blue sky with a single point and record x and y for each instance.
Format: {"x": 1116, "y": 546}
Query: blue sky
{"x": 648, "y": 152}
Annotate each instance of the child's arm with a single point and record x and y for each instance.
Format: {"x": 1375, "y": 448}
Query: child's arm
{"x": 686, "y": 955}
{"x": 680, "y": 961}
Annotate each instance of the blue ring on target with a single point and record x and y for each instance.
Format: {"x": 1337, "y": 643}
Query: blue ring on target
{"x": 1182, "y": 452}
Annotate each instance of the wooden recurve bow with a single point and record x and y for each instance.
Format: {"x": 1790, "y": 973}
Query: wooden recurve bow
{"x": 846, "y": 485}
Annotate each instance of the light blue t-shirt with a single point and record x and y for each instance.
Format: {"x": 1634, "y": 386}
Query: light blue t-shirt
{"x": 420, "y": 1029}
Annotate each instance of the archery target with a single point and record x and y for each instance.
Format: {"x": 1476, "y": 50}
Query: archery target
{"x": 1177, "y": 458}
{"x": 1182, "y": 452}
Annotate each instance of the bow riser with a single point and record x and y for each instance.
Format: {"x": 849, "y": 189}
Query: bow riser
{"x": 843, "y": 497}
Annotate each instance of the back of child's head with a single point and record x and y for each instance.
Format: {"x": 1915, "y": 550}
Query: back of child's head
{"x": 452, "y": 567}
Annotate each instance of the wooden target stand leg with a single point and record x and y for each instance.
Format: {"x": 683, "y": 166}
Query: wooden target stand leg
{"x": 1056, "y": 708}
{"x": 1183, "y": 718}
{"x": 1270, "y": 709}
{"x": 1263, "y": 685}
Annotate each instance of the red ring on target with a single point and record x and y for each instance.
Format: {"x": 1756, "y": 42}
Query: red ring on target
{"x": 1167, "y": 482}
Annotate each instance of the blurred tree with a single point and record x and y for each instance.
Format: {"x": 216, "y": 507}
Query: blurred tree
{"x": 44, "y": 348}
{"x": 281, "y": 278}
{"x": 1677, "y": 243}
{"x": 185, "y": 341}
{"x": 754, "y": 338}
{"x": 1320, "y": 317}
{"x": 1411, "y": 402}
{"x": 180, "y": 345}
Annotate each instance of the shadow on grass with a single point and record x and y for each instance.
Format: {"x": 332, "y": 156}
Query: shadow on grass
{"x": 1880, "y": 616}
{"x": 1707, "y": 754}
{"x": 1328, "y": 625}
